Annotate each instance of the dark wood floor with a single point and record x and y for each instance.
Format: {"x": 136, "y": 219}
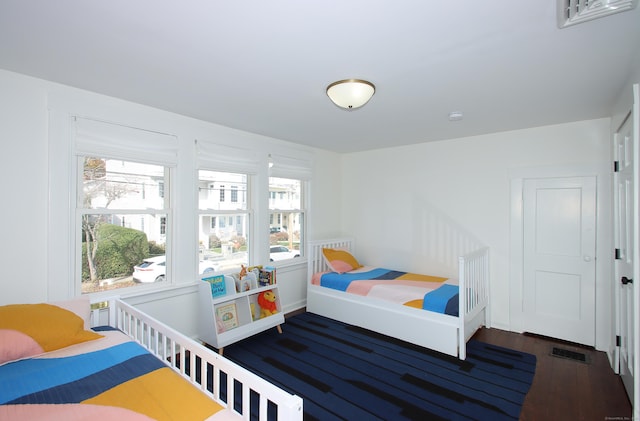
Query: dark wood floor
{"x": 565, "y": 389}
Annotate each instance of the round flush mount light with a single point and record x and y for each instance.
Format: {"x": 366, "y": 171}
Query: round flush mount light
{"x": 455, "y": 116}
{"x": 351, "y": 93}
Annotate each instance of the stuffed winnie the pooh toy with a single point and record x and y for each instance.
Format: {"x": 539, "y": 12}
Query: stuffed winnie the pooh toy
{"x": 267, "y": 303}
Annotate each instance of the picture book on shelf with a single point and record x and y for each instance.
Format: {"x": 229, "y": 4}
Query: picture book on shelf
{"x": 218, "y": 285}
{"x": 243, "y": 285}
{"x": 226, "y": 316}
{"x": 245, "y": 282}
{"x": 267, "y": 276}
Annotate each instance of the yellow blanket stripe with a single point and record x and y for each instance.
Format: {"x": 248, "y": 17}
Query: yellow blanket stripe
{"x": 161, "y": 395}
{"x": 415, "y": 303}
{"x": 421, "y": 278}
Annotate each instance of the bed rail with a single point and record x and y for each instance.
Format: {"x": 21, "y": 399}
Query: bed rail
{"x": 226, "y": 382}
{"x": 316, "y": 259}
{"x": 473, "y": 271}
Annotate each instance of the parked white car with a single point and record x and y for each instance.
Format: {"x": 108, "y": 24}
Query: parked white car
{"x": 277, "y": 253}
{"x": 154, "y": 269}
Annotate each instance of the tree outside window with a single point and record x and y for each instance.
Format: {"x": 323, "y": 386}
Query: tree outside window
{"x": 123, "y": 220}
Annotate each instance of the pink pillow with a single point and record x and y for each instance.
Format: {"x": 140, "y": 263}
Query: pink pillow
{"x": 16, "y": 345}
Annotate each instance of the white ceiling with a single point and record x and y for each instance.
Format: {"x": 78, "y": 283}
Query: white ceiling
{"x": 263, "y": 66}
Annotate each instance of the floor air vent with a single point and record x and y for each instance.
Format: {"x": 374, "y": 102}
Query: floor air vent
{"x": 571, "y": 12}
{"x": 570, "y": 355}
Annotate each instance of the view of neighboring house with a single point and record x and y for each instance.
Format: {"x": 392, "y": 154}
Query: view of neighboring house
{"x": 132, "y": 195}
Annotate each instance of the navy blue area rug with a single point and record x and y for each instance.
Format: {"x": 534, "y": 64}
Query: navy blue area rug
{"x": 345, "y": 372}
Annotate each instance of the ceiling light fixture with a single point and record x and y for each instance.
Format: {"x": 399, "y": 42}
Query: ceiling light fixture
{"x": 350, "y": 93}
{"x": 455, "y": 116}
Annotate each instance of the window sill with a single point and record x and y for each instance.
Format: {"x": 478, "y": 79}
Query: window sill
{"x": 289, "y": 265}
{"x": 141, "y": 295}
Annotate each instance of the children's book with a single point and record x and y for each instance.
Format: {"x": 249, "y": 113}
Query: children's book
{"x": 267, "y": 276}
{"x": 249, "y": 281}
{"x": 218, "y": 285}
{"x": 227, "y": 316}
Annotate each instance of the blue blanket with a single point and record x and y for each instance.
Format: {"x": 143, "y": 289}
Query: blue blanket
{"x": 102, "y": 379}
{"x": 443, "y": 300}
{"x": 425, "y": 292}
{"x": 66, "y": 380}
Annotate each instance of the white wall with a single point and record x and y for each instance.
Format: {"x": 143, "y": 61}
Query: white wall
{"x": 625, "y": 97}
{"x": 23, "y": 177}
{"x": 36, "y": 251}
{"x": 400, "y": 203}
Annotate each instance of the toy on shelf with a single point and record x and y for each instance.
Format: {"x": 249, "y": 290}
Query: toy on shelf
{"x": 246, "y": 279}
{"x": 267, "y": 303}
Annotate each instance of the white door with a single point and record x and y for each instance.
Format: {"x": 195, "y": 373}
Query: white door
{"x": 559, "y": 258}
{"x": 625, "y": 246}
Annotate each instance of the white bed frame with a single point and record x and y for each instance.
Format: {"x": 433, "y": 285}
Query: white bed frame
{"x": 440, "y": 332}
{"x": 171, "y": 347}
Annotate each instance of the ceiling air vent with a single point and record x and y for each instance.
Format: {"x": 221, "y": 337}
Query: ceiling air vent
{"x": 571, "y": 12}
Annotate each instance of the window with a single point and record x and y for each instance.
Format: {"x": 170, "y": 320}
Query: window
{"x": 226, "y": 244}
{"x": 234, "y": 194}
{"x": 123, "y": 224}
{"x": 286, "y": 209}
{"x": 122, "y": 214}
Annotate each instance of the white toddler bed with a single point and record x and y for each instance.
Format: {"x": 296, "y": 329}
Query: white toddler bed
{"x": 163, "y": 342}
{"x": 129, "y": 367}
{"x": 440, "y": 332}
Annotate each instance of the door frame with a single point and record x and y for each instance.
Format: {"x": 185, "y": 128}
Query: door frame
{"x": 604, "y": 325}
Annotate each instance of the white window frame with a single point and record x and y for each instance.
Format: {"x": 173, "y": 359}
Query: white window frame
{"x": 227, "y": 218}
{"x": 105, "y": 140}
{"x": 217, "y": 156}
{"x": 298, "y": 167}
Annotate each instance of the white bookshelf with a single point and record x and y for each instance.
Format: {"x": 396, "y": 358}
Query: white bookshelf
{"x": 217, "y": 329}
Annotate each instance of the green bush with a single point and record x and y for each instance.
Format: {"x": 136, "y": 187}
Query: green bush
{"x": 156, "y": 249}
{"x": 119, "y": 250}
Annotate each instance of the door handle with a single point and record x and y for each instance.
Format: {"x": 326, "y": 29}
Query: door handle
{"x": 626, "y": 280}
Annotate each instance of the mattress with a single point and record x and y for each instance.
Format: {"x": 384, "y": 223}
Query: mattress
{"x": 431, "y": 293}
{"x": 108, "y": 378}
